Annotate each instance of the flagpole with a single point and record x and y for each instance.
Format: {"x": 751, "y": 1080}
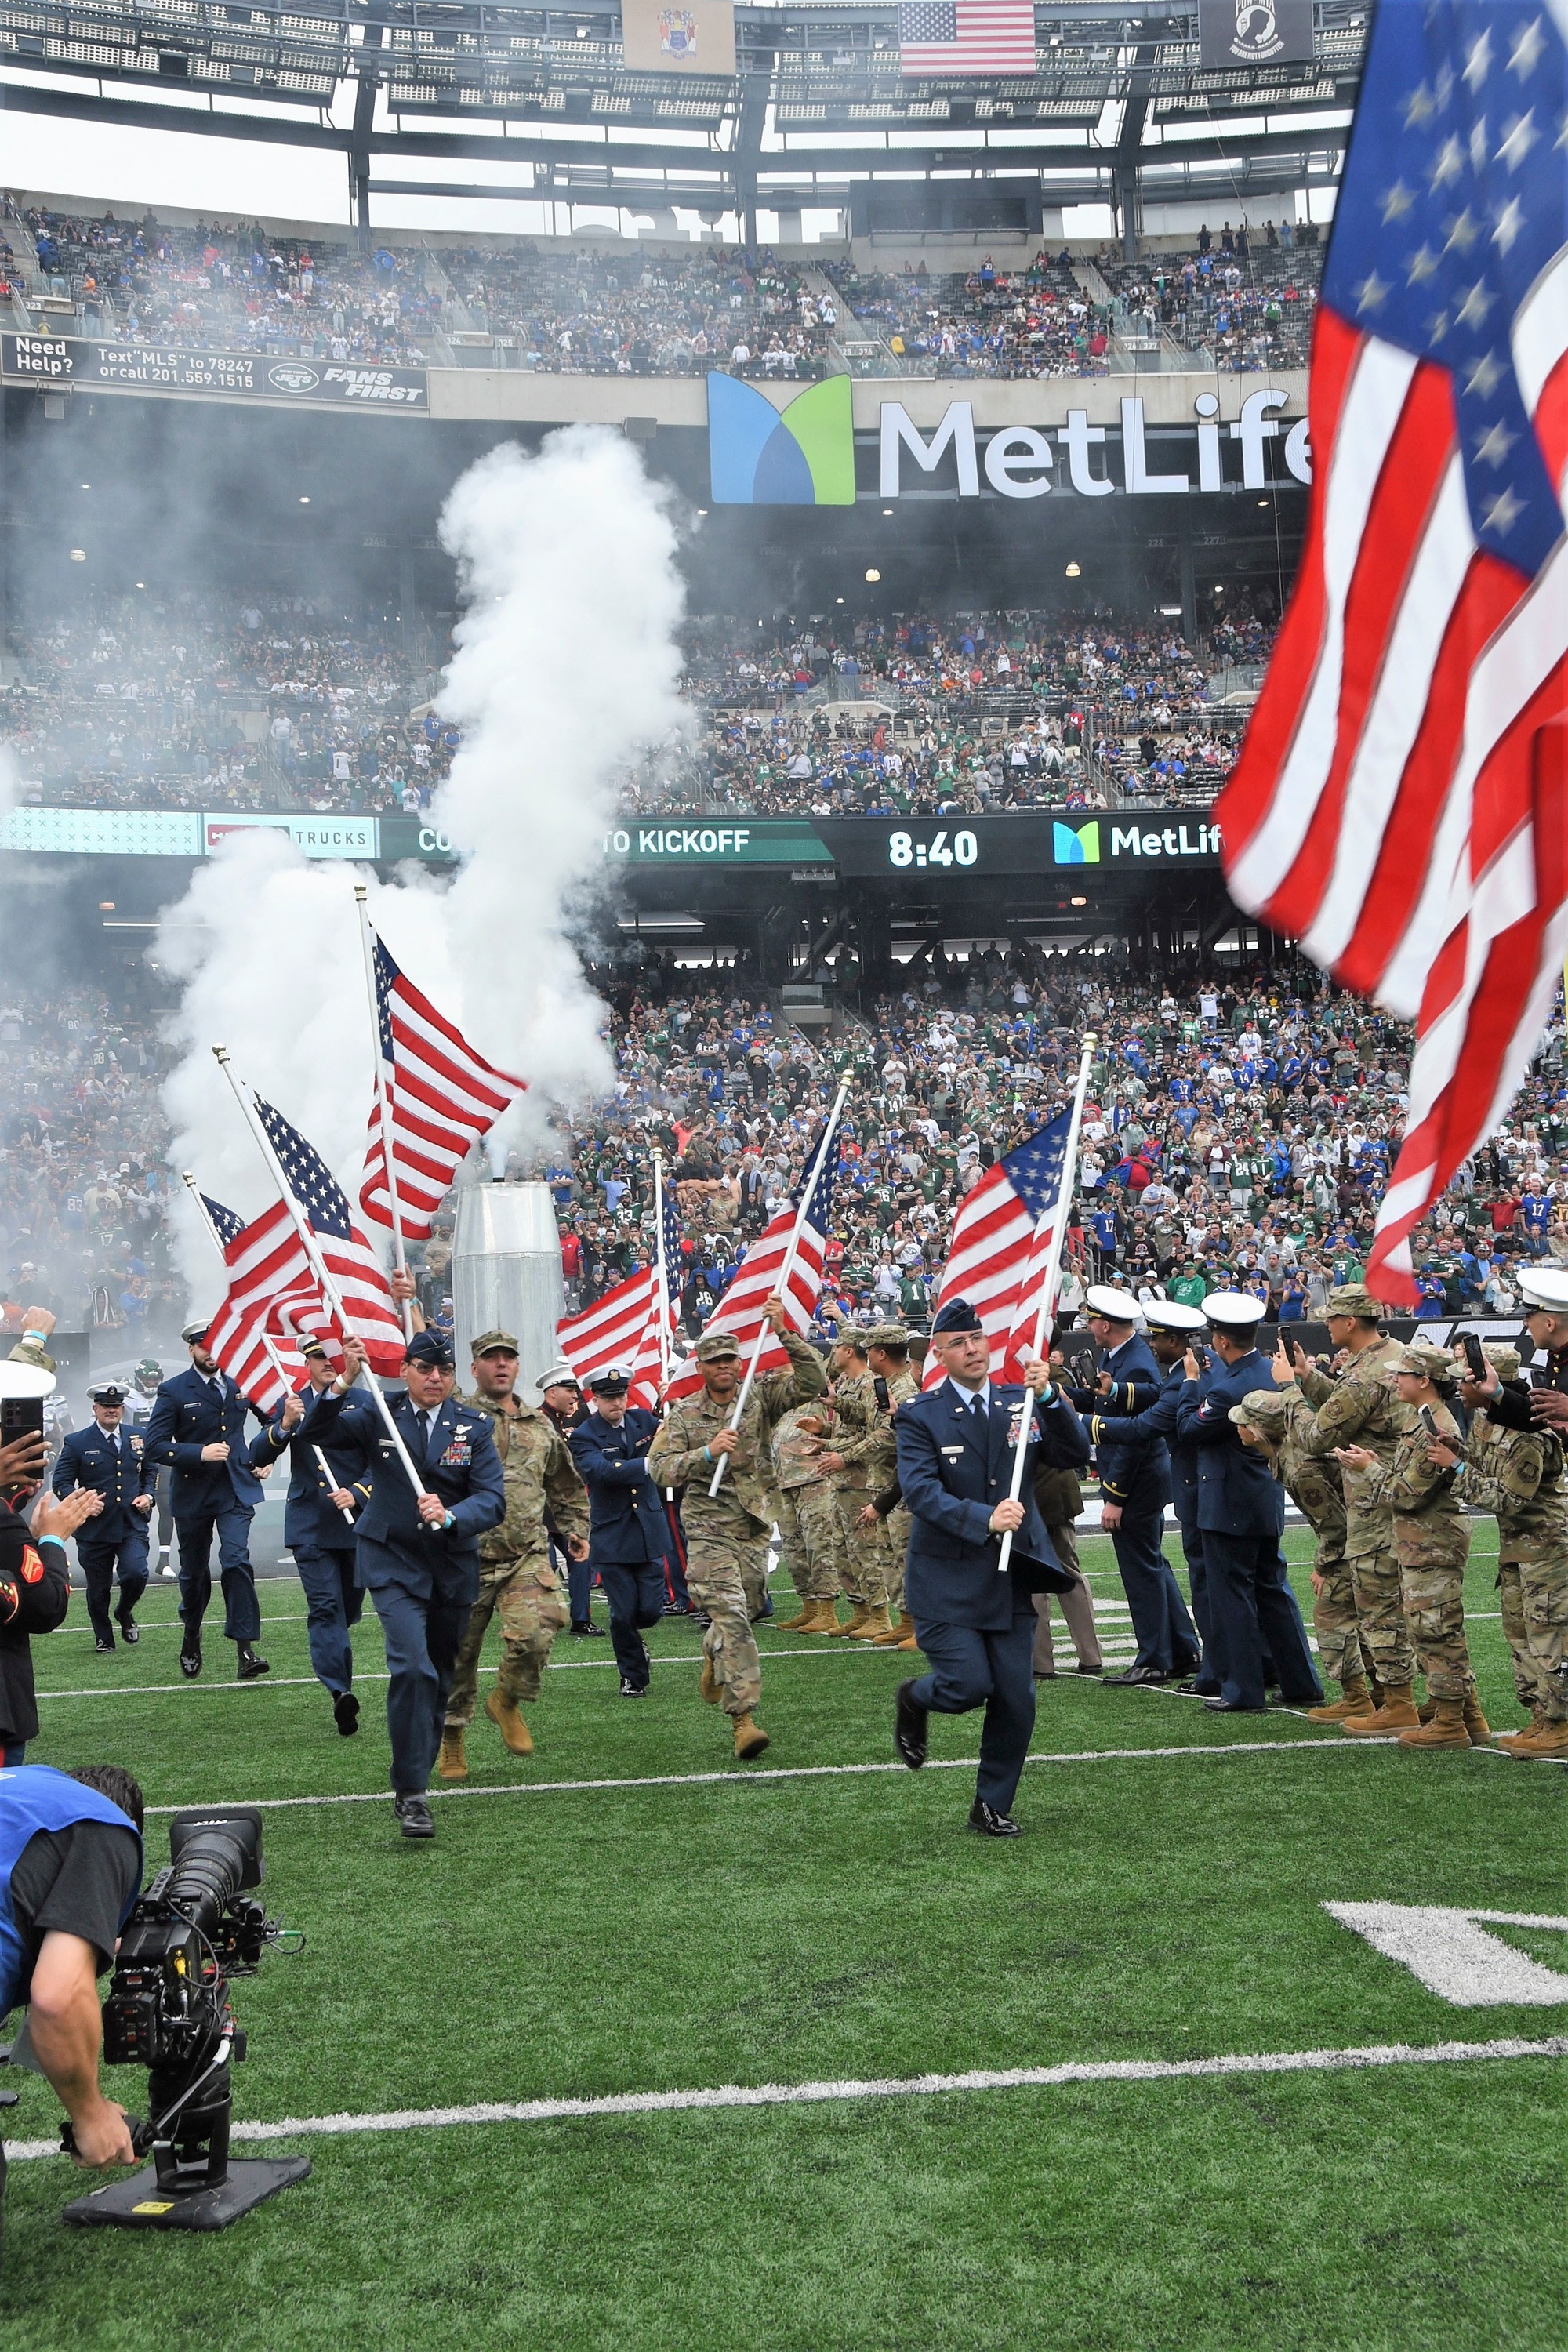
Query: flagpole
{"x": 813, "y": 1166}
{"x": 662, "y": 1270}
{"x": 1048, "y": 1280}
{"x": 406, "y": 1306}
{"x": 312, "y": 1248}
{"x": 275, "y": 1360}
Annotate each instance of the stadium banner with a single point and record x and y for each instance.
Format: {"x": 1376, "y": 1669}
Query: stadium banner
{"x": 103, "y": 833}
{"x": 1233, "y": 33}
{"x": 705, "y": 841}
{"x": 318, "y": 837}
{"x": 71, "y": 360}
{"x": 698, "y": 39}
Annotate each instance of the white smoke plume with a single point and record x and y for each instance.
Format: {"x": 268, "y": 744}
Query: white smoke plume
{"x": 566, "y": 662}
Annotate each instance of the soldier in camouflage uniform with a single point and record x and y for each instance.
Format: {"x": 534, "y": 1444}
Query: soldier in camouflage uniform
{"x": 1432, "y": 1538}
{"x": 1317, "y": 1489}
{"x": 726, "y": 1533}
{"x": 1521, "y": 1475}
{"x": 1361, "y": 1411}
{"x": 856, "y": 1419}
{"x": 517, "y": 1581}
{"x": 887, "y": 1354}
{"x": 808, "y": 1518}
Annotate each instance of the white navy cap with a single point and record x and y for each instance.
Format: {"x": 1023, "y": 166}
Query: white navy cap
{"x": 25, "y": 1380}
{"x": 1234, "y": 1310}
{"x": 1116, "y": 1306}
{"x": 1171, "y": 1315}
{"x": 1545, "y": 1287}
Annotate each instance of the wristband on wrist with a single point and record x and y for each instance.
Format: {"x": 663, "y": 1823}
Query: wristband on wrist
{"x": 708, "y": 1454}
{"x": 39, "y": 1336}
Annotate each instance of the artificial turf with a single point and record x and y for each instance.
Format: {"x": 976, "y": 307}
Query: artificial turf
{"x": 580, "y": 1941}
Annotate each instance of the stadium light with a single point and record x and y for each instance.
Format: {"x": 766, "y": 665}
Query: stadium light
{"x": 1073, "y": 570}
{"x": 78, "y": 555}
{"x": 304, "y": 502}
{"x": 873, "y": 573}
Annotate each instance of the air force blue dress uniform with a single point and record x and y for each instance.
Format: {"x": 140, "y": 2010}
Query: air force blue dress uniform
{"x": 975, "y": 1625}
{"x": 1241, "y": 1516}
{"x": 1137, "y": 1477}
{"x": 323, "y": 1543}
{"x": 193, "y": 1410}
{"x": 1142, "y": 1427}
{"x": 111, "y": 1462}
{"x": 424, "y": 1580}
{"x": 628, "y": 1532}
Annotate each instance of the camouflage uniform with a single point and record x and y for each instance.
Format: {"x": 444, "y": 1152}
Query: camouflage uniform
{"x": 808, "y": 1521}
{"x": 1362, "y": 1408}
{"x": 1432, "y": 1538}
{"x": 858, "y": 1418}
{"x": 517, "y": 1581}
{"x": 1315, "y": 1486}
{"x": 883, "y": 1462}
{"x": 726, "y": 1533}
{"x": 1518, "y": 1475}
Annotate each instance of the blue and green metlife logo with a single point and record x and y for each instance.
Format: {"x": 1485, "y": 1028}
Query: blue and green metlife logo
{"x": 1102, "y": 841}
{"x": 800, "y": 456}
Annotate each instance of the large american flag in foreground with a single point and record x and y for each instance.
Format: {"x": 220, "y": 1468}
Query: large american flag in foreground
{"x": 741, "y": 1308}
{"x": 938, "y": 37}
{"x": 621, "y": 1330}
{"x": 1001, "y": 1240}
{"x": 272, "y": 1295}
{"x": 441, "y": 1096}
{"x": 345, "y": 1252}
{"x": 1398, "y": 807}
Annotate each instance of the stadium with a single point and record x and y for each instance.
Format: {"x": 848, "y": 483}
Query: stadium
{"x": 898, "y": 660}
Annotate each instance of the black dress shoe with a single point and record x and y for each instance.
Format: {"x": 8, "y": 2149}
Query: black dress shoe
{"x": 1199, "y": 1688}
{"x": 1133, "y": 1676}
{"x": 1228, "y": 1706}
{"x": 590, "y": 1631}
{"x": 989, "y": 1823}
{"x": 1046, "y": 1678}
{"x": 190, "y": 1656}
{"x": 345, "y": 1713}
{"x": 128, "y": 1630}
{"x": 633, "y": 1690}
{"x": 104, "y": 1649}
{"x": 1187, "y": 1666}
{"x": 1089, "y": 1670}
{"x": 910, "y": 1726}
{"x": 249, "y": 1665}
{"x": 414, "y": 1815}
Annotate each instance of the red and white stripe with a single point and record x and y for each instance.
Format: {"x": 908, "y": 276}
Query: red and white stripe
{"x": 997, "y": 1260}
{"x": 739, "y": 1309}
{"x": 441, "y": 1098}
{"x": 619, "y": 1330}
{"x": 1398, "y": 806}
{"x": 994, "y": 36}
{"x": 273, "y": 1294}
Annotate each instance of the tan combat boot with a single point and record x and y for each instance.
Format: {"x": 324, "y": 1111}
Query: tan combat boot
{"x": 857, "y": 1618}
{"x": 1538, "y": 1717}
{"x": 1357, "y": 1700}
{"x": 877, "y": 1622}
{"x": 707, "y": 1682}
{"x": 750, "y": 1738}
{"x": 452, "y": 1764}
{"x": 900, "y": 1636}
{"x": 1476, "y": 1724}
{"x": 1395, "y": 1713}
{"x": 1548, "y": 1737}
{"x": 822, "y": 1619}
{"x": 1446, "y": 1729}
{"x": 799, "y": 1624}
{"x": 503, "y": 1714}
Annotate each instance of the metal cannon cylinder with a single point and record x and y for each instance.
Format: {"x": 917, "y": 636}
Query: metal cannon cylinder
{"x": 506, "y": 1272}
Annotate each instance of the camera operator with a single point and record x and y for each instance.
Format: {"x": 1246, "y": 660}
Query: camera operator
{"x": 70, "y": 1871}
{"x": 35, "y": 1575}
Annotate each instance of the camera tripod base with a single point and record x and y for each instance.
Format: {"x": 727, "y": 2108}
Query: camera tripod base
{"x": 139, "y": 2203}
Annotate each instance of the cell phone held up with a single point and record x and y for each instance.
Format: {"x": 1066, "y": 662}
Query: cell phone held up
{"x": 1429, "y": 1423}
{"x": 1474, "y": 1357}
{"x": 20, "y": 1416}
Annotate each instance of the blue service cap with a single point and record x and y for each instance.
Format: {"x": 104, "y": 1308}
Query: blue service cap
{"x": 429, "y": 1348}
{"x": 957, "y": 1315}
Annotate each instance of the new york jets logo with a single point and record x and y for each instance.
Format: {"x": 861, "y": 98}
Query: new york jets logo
{"x": 292, "y": 377}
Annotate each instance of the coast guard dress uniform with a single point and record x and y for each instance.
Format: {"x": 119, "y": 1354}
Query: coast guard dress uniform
{"x": 111, "y": 1461}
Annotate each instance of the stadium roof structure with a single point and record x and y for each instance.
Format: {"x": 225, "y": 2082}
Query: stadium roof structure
{"x": 817, "y": 113}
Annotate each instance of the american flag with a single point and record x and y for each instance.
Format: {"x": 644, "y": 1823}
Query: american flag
{"x": 756, "y": 1278}
{"x": 268, "y": 1274}
{"x": 621, "y": 1330}
{"x": 938, "y": 37}
{"x": 1001, "y": 1240}
{"x": 1398, "y": 806}
{"x": 441, "y": 1095}
{"x": 345, "y": 1252}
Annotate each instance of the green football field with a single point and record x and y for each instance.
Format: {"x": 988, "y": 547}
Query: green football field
{"x": 629, "y": 1913}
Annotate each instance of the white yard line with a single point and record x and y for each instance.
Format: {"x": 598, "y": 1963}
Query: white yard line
{"x": 908, "y": 2087}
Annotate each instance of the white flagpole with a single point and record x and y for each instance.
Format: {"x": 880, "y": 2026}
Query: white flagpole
{"x": 273, "y": 1357}
{"x": 312, "y": 1248}
{"x": 662, "y": 1270}
{"x": 818, "y": 1161}
{"x": 1049, "y": 1279}
{"x": 365, "y": 938}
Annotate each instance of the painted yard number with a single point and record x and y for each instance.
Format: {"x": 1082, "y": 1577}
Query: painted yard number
{"x": 1453, "y": 1955}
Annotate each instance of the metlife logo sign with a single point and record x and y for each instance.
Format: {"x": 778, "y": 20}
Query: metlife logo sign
{"x": 1101, "y": 841}
{"x": 1199, "y": 458}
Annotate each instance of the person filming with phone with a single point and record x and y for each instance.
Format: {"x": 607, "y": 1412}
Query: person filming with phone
{"x": 35, "y": 1574}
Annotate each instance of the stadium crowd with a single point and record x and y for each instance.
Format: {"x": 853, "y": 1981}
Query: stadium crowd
{"x": 260, "y": 702}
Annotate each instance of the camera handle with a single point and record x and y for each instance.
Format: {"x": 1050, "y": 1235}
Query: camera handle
{"x": 145, "y": 2133}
